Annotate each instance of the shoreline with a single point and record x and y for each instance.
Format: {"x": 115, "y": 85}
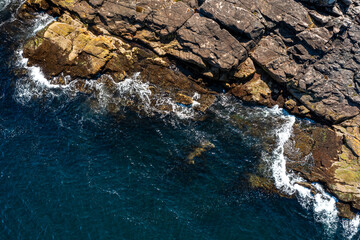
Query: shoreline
{"x": 277, "y": 62}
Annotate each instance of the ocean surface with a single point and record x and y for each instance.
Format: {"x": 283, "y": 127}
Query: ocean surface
{"x": 69, "y": 170}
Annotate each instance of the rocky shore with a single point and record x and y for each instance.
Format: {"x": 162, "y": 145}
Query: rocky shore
{"x": 301, "y": 55}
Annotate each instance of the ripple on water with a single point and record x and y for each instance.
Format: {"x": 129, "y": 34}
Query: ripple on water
{"x": 90, "y": 175}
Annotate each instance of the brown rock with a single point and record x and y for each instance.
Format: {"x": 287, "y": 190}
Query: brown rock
{"x": 205, "y": 38}
{"x": 319, "y": 155}
{"x": 345, "y": 210}
{"x": 271, "y": 55}
{"x": 290, "y": 104}
{"x": 263, "y": 183}
{"x": 234, "y": 16}
{"x": 169, "y": 19}
{"x": 198, "y": 151}
{"x": 256, "y": 90}
{"x": 245, "y": 70}
{"x": 183, "y": 99}
{"x": 316, "y": 38}
{"x": 68, "y": 47}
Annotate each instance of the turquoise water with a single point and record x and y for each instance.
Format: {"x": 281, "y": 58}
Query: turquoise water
{"x": 68, "y": 171}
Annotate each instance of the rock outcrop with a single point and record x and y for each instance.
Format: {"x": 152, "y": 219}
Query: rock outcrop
{"x": 302, "y": 55}
{"x": 313, "y": 53}
{"x": 66, "y": 47}
{"x": 320, "y": 155}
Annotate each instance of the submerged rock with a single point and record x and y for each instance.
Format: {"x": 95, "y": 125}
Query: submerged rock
{"x": 265, "y": 184}
{"x": 198, "y": 151}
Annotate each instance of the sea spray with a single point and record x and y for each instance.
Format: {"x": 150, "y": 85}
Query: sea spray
{"x": 4, "y": 4}
{"x": 350, "y": 227}
{"x": 41, "y": 21}
{"x": 283, "y": 180}
{"x": 35, "y": 84}
{"x": 131, "y": 92}
{"x": 135, "y": 89}
{"x": 322, "y": 204}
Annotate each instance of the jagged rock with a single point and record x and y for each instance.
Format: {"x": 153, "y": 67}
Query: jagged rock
{"x": 204, "y": 38}
{"x": 169, "y": 19}
{"x": 290, "y": 13}
{"x": 290, "y": 104}
{"x": 346, "y": 178}
{"x": 319, "y": 154}
{"x": 203, "y": 43}
{"x": 345, "y": 210}
{"x": 193, "y": 3}
{"x": 314, "y": 54}
{"x": 315, "y": 151}
{"x": 316, "y": 38}
{"x": 183, "y": 99}
{"x": 271, "y": 55}
{"x": 245, "y": 70}
{"x": 328, "y": 87}
{"x": 256, "y": 90}
{"x": 67, "y": 47}
{"x": 234, "y": 16}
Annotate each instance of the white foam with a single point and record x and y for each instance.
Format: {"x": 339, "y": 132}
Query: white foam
{"x": 36, "y": 84}
{"x": 35, "y": 72}
{"x": 4, "y": 4}
{"x": 325, "y": 209}
{"x": 132, "y": 88}
{"x": 318, "y": 202}
{"x": 139, "y": 92}
{"x": 351, "y": 227}
{"x": 41, "y": 21}
{"x": 322, "y": 204}
{"x": 283, "y": 180}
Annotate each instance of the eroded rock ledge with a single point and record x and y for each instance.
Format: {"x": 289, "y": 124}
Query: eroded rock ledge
{"x": 301, "y": 54}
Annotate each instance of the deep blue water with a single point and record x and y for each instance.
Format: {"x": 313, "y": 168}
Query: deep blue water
{"x": 69, "y": 172}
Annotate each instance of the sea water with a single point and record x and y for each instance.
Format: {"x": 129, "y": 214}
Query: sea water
{"x": 69, "y": 171}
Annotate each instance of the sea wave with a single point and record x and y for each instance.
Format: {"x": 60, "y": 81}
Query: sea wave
{"x": 4, "y": 4}
{"x": 322, "y": 204}
{"x": 104, "y": 91}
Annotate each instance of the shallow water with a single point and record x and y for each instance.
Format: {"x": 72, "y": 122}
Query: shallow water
{"x": 69, "y": 171}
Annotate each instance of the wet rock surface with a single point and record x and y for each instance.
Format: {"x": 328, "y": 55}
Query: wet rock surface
{"x": 305, "y": 46}
{"x": 321, "y": 154}
{"x": 83, "y": 55}
{"x": 301, "y": 55}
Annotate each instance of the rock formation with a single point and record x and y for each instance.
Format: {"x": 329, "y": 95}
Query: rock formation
{"x": 303, "y": 55}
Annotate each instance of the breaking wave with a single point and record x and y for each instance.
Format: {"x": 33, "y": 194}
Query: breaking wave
{"x": 136, "y": 92}
{"x": 41, "y": 21}
{"x": 4, "y": 4}
{"x": 351, "y": 227}
{"x": 106, "y": 93}
{"x": 321, "y": 203}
